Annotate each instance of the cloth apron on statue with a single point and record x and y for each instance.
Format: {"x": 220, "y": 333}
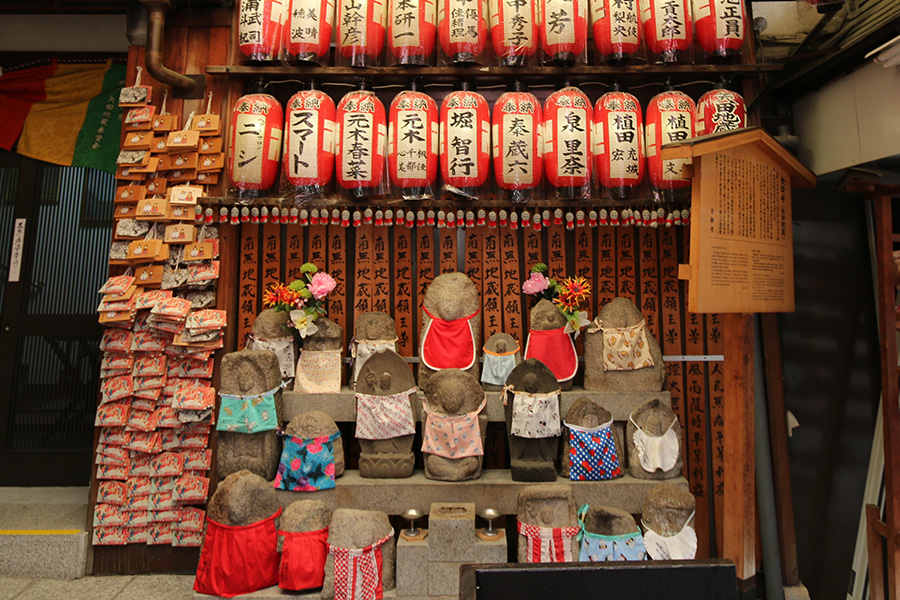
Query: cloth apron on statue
{"x": 384, "y": 417}
{"x": 448, "y": 344}
{"x": 361, "y": 350}
{"x": 453, "y": 436}
{"x": 306, "y": 465}
{"x": 358, "y": 572}
{"x": 547, "y": 544}
{"x": 596, "y": 547}
{"x": 283, "y": 348}
{"x": 318, "y": 372}
{"x": 592, "y": 453}
{"x": 303, "y": 557}
{"x": 554, "y": 348}
{"x": 238, "y": 560}
{"x": 497, "y": 367}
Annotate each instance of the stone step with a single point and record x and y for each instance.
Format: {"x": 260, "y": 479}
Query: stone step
{"x": 42, "y": 532}
{"x": 494, "y": 489}
{"x": 342, "y": 407}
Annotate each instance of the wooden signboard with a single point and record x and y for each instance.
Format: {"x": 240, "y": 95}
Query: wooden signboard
{"x": 741, "y": 258}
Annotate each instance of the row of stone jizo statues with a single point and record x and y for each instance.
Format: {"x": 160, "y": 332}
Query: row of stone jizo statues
{"x": 352, "y": 554}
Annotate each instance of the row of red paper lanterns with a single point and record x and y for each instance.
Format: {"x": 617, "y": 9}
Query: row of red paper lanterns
{"x": 567, "y": 141}
{"x": 303, "y": 28}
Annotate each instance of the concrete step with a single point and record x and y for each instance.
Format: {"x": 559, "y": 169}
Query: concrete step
{"x": 42, "y": 532}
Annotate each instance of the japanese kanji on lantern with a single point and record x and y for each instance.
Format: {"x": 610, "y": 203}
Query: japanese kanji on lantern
{"x": 563, "y": 32}
{"x": 308, "y": 164}
{"x": 670, "y": 118}
{"x": 518, "y": 145}
{"x": 360, "y": 32}
{"x": 514, "y": 31}
{"x": 413, "y": 144}
{"x": 307, "y": 30}
{"x": 719, "y": 110}
{"x": 617, "y": 30}
{"x": 619, "y": 145}
{"x": 260, "y": 24}
{"x": 463, "y": 31}
{"x": 254, "y": 144}
{"x": 360, "y": 140}
{"x": 668, "y": 29}
{"x": 568, "y": 119}
{"x": 720, "y": 28}
{"x": 411, "y": 32}
{"x": 465, "y": 142}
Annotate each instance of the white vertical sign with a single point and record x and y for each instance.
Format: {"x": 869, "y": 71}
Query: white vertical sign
{"x": 18, "y": 245}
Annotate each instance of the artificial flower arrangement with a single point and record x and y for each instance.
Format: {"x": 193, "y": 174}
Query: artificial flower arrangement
{"x": 304, "y": 298}
{"x": 569, "y": 295}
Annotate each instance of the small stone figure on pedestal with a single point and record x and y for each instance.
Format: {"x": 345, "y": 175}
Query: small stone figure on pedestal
{"x": 609, "y": 534}
{"x": 549, "y": 343}
{"x": 361, "y": 555}
{"x": 385, "y": 425}
{"x": 501, "y": 355}
{"x": 249, "y": 377}
{"x": 271, "y": 332}
{"x": 453, "y": 429}
{"x": 590, "y": 443}
{"x": 319, "y": 365}
{"x": 303, "y": 543}
{"x": 653, "y": 435}
{"x": 547, "y": 524}
{"x": 313, "y": 454}
{"x": 667, "y": 517}
{"x": 531, "y": 400}
{"x": 451, "y": 322}
{"x": 373, "y": 332}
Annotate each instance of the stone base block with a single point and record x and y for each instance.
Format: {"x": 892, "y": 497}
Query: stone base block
{"x": 443, "y": 578}
{"x": 412, "y": 560}
{"x": 451, "y": 531}
{"x": 493, "y": 551}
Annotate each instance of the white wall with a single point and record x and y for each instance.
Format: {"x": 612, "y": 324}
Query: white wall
{"x": 63, "y": 33}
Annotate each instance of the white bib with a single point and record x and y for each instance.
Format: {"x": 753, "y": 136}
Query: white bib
{"x": 681, "y": 546}
{"x": 283, "y": 348}
{"x": 363, "y": 349}
{"x": 535, "y": 415}
{"x": 656, "y": 451}
{"x": 497, "y": 367}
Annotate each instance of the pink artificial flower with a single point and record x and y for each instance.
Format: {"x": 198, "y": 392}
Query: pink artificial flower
{"x": 320, "y": 285}
{"x": 535, "y": 284}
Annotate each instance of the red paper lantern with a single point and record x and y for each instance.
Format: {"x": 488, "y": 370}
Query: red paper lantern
{"x": 360, "y": 31}
{"x": 668, "y": 27}
{"x": 563, "y": 30}
{"x": 465, "y": 139}
{"x": 568, "y": 118}
{"x": 307, "y": 32}
{"x": 309, "y": 139}
{"x": 413, "y": 142}
{"x": 720, "y": 26}
{"x": 254, "y": 147}
{"x": 617, "y": 28}
{"x": 260, "y": 24}
{"x": 720, "y": 110}
{"x": 670, "y": 118}
{"x": 619, "y": 140}
{"x": 514, "y": 30}
{"x": 462, "y": 27}
{"x": 518, "y": 141}
{"x": 411, "y": 31}
{"x": 360, "y": 136}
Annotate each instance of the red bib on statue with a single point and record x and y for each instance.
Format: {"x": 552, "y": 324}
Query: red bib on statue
{"x": 448, "y": 344}
{"x": 238, "y": 560}
{"x": 303, "y": 559}
{"x": 555, "y": 349}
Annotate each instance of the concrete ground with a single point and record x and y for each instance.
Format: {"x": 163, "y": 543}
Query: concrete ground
{"x": 128, "y": 587}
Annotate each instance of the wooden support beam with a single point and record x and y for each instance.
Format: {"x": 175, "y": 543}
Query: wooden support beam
{"x": 876, "y": 554}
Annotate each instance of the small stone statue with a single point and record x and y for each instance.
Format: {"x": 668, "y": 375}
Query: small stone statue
{"x": 303, "y": 544}
{"x": 451, "y": 324}
{"x": 532, "y": 421}
{"x": 609, "y": 534}
{"x": 319, "y": 366}
{"x": 242, "y": 498}
{"x": 667, "y": 516}
{"x": 549, "y": 343}
{"x": 596, "y": 456}
{"x": 385, "y": 422}
{"x": 313, "y": 454}
{"x": 501, "y": 355}
{"x": 373, "y": 332}
{"x": 271, "y": 332}
{"x": 246, "y": 373}
{"x": 368, "y": 531}
{"x": 453, "y": 429}
{"x": 620, "y": 353}
{"x": 547, "y": 524}
{"x": 653, "y": 435}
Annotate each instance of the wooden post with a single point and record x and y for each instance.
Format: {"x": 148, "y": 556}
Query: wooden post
{"x": 876, "y": 555}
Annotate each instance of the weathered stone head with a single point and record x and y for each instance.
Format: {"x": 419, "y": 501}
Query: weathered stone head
{"x": 245, "y": 373}
{"x": 271, "y": 324}
{"x": 328, "y": 336}
{"x": 546, "y": 506}
{"x": 304, "y": 515}
{"x": 450, "y": 297}
{"x": 621, "y": 312}
{"x": 667, "y": 507}
{"x": 531, "y": 459}
{"x": 501, "y": 354}
{"x": 242, "y": 498}
{"x": 357, "y": 529}
{"x": 545, "y": 316}
{"x": 606, "y": 520}
{"x": 316, "y": 423}
{"x": 449, "y": 393}
{"x": 271, "y": 332}
{"x": 588, "y": 414}
{"x": 386, "y": 373}
{"x": 560, "y": 356}
{"x": 373, "y": 331}
{"x": 655, "y": 427}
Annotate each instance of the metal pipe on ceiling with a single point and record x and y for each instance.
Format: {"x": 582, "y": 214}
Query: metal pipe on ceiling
{"x": 156, "y": 11}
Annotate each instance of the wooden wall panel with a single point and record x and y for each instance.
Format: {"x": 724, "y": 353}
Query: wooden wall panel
{"x": 337, "y": 268}
{"x": 404, "y": 288}
{"x": 492, "y": 275}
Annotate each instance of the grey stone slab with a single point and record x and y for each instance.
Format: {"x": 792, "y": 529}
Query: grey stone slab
{"x": 341, "y": 407}
{"x": 87, "y": 588}
{"x": 494, "y": 489}
{"x": 10, "y": 587}
{"x": 412, "y": 560}
{"x": 43, "y": 516}
{"x": 443, "y": 578}
{"x": 451, "y": 531}
{"x": 155, "y": 587}
{"x": 44, "y": 495}
{"x": 53, "y": 556}
{"x": 493, "y": 551}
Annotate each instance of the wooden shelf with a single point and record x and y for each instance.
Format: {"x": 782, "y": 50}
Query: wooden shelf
{"x": 341, "y": 407}
{"x": 494, "y": 489}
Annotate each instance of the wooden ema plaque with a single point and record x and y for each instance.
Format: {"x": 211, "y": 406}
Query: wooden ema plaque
{"x": 741, "y": 255}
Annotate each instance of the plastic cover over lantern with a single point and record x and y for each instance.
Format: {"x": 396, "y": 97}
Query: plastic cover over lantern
{"x": 619, "y": 144}
{"x": 254, "y": 145}
{"x": 360, "y": 32}
{"x": 720, "y": 27}
{"x": 617, "y": 30}
{"x": 568, "y": 119}
{"x": 411, "y": 32}
{"x": 518, "y": 144}
{"x": 260, "y": 24}
{"x": 360, "y": 140}
{"x": 308, "y": 164}
{"x": 463, "y": 30}
{"x": 465, "y": 141}
{"x": 514, "y": 31}
{"x": 668, "y": 29}
{"x": 307, "y": 30}
{"x": 413, "y": 144}
{"x": 670, "y": 118}
{"x": 720, "y": 110}
{"x": 563, "y": 31}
